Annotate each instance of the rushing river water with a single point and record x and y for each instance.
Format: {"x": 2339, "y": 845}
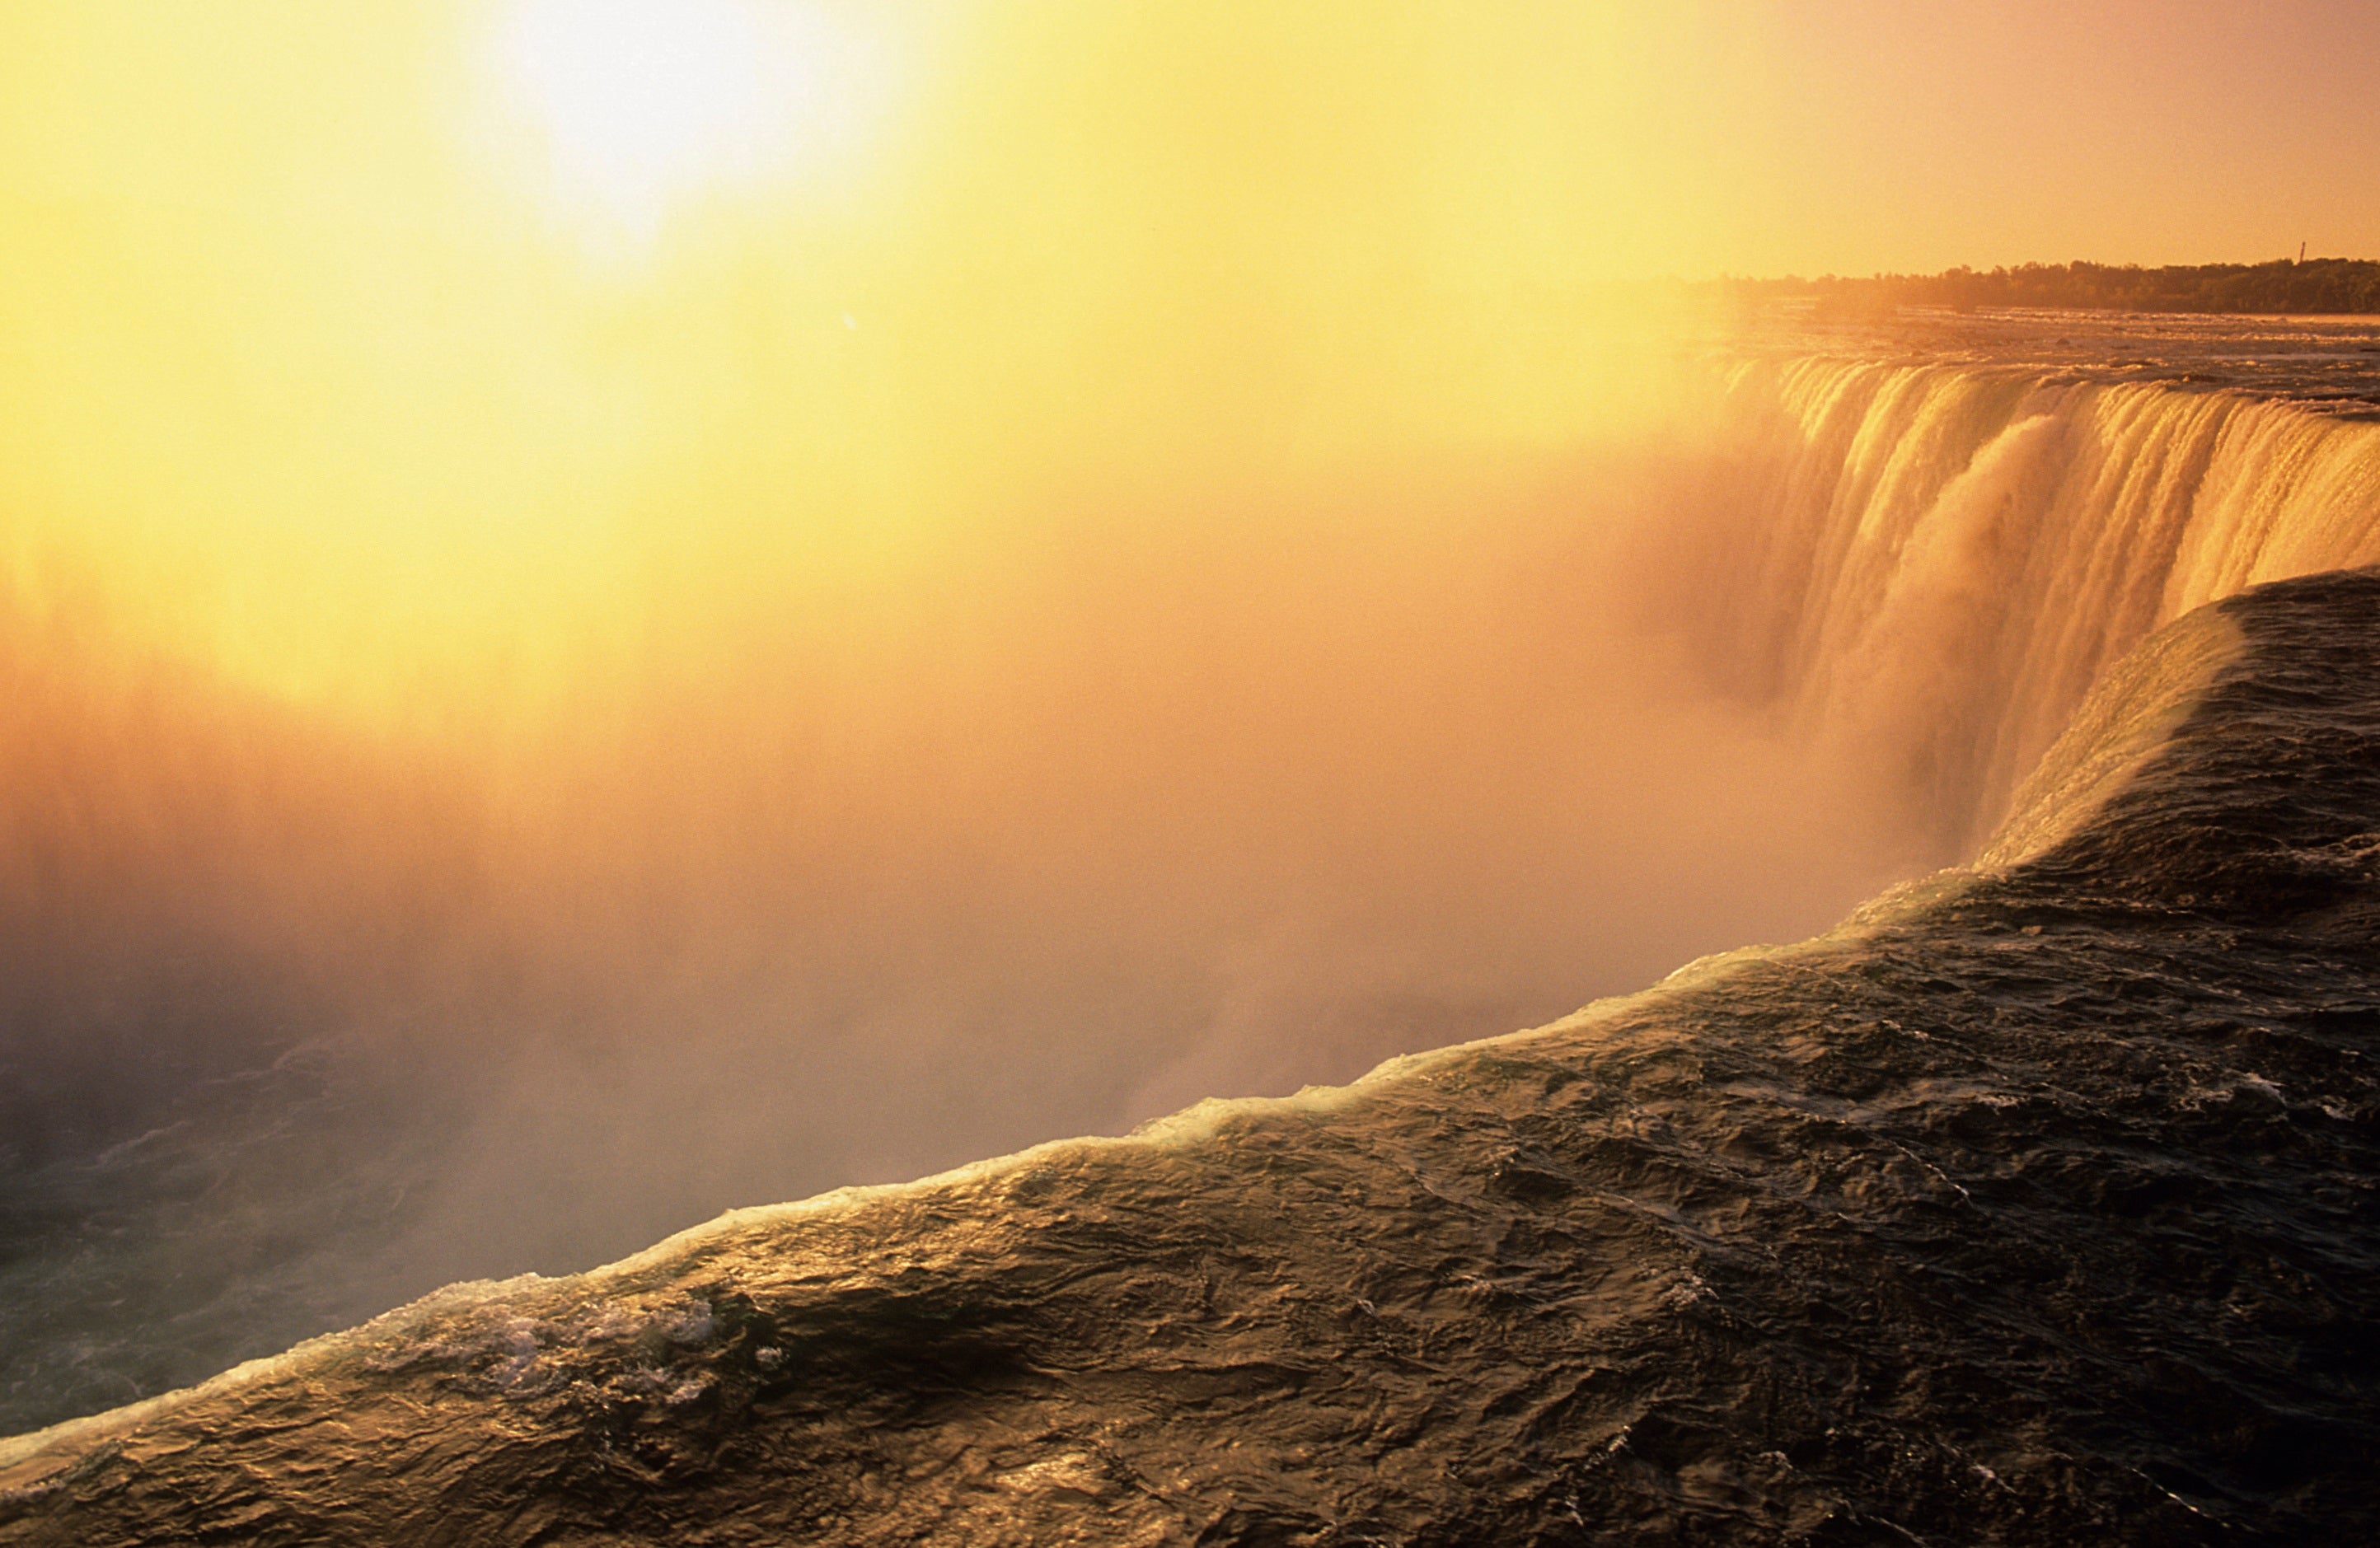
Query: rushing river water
{"x": 2328, "y": 364}
{"x": 2033, "y": 1204}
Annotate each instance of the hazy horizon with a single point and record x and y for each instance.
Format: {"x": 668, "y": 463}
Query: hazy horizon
{"x": 681, "y": 601}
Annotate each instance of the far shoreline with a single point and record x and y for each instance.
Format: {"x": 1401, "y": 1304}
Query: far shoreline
{"x": 2285, "y": 287}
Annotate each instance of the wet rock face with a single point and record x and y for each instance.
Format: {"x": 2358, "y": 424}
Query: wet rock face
{"x": 2040, "y": 1206}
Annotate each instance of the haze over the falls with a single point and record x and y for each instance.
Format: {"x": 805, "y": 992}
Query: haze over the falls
{"x": 2033, "y": 1204}
{"x": 1222, "y": 791}
{"x": 1040, "y": 772}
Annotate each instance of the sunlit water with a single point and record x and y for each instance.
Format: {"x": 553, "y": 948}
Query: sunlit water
{"x": 2328, "y": 364}
{"x": 2035, "y": 1204}
{"x": 1873, "y": 583}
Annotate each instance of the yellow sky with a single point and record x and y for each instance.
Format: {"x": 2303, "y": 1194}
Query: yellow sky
{"x": 362, "y": 345}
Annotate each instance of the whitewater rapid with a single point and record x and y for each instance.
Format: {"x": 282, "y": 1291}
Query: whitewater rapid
{"x": 2029, "y": 1204}
{"x": 2034, "y": 1204}
{"x": 1935, "y": 562}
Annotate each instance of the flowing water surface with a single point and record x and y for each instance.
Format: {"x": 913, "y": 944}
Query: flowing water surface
{"x": 2033, "y": 1204}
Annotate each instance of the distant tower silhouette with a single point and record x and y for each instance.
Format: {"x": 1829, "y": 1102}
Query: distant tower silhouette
{"x": 2301, "y": 252}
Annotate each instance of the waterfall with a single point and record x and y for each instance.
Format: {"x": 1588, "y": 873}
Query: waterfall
{"x": 1937, "y": 562}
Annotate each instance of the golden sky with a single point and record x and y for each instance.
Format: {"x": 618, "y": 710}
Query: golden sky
{"x": 861, "y": 537}
{"x": 359, "y": 344}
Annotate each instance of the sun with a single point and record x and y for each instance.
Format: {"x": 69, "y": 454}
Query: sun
{"x": 638, "y": 104}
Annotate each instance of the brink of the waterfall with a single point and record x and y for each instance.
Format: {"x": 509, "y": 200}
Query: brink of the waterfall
{"x": 2033, "y": 1204}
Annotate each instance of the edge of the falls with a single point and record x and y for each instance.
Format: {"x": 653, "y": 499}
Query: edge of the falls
{"x": 2114, "y": 736}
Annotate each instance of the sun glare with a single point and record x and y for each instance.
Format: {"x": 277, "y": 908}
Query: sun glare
{"x": 642, "y": 104}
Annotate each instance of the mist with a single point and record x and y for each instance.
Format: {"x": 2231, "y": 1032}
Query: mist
{"x": 1224, "y": 798}
{"x": 544, "y": 707}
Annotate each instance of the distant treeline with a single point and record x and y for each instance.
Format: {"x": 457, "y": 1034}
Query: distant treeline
{"x": 2321, "y": 284}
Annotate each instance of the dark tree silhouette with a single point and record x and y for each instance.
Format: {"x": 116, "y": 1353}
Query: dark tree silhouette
{"x": 2322, "y": 285}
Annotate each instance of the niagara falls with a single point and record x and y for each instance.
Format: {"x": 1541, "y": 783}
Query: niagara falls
{"x": 868, "y": 771}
